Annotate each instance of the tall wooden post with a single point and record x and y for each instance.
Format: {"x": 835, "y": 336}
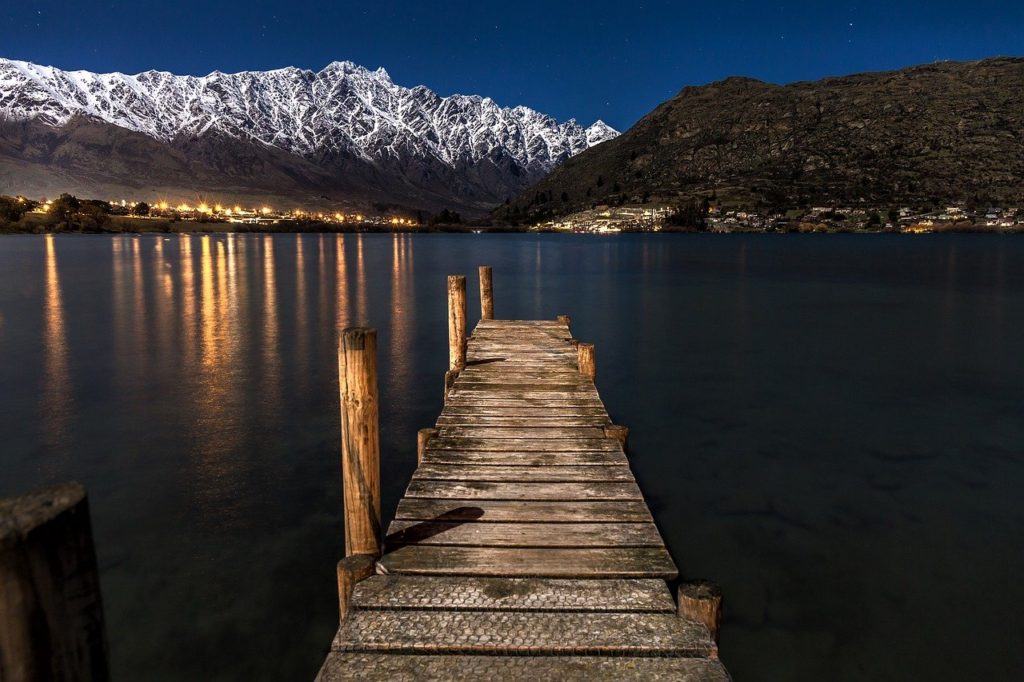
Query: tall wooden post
{"x": 585, "y": 359}
{"x": 423, "y": 437}
{"x": 51, "y": 613}
{"x": 486, "y": 293}
{"x": 456, "y": 329}
{"x": 360, "y": 440}
{"x": 701, "y": 601}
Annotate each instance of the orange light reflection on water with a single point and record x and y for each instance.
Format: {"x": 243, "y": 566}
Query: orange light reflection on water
{"x": 56, "y": 403}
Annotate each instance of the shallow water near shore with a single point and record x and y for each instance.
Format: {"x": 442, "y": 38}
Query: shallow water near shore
{"x": 831, "y": 427}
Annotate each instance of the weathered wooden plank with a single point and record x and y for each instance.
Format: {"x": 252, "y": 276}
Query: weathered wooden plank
{"x": 462, "y": 593}
{"x": 551, "y": 474}
{"x": 484, "y": 411}
{"x": 524, "y": 459}
{"x": 521, "y": 421}
{"x": 470, "y": 534}
{"x": 541, "y": 393}
{"x": 506, "y": 400}
{"x": 488, "y": 490}
{"x": 536, "y": 433}
{"x": 347, "y": 665}
{"x": 633, "y": 562}
{"x": 525, "y": 445}
{"x": 546, "y": 511}
{"x": 510, "y": 632}
{"x": 546, "y": 384}
{"x": 510, "y": 375}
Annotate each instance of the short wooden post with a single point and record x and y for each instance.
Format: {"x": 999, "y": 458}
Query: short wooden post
{"x": 486, "y": 293}
{"x": 619, "y": 433}
{"x": 423, "y": 437}
{"x": 701, "y": 600}
{"x": 360, "y": 440}
{"x": 51, "y": 612}
{"x": 351, "y": 570}
{"x": 565, "y": 319}
{"x": 586, "y": 360}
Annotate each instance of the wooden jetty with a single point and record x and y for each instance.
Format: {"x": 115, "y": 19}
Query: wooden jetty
{"x": 523, "y": 548}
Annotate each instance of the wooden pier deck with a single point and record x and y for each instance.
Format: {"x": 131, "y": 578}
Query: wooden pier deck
{"x": 523, "y": 548}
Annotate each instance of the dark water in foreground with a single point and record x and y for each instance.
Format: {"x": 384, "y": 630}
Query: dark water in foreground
{"x": 829, "y": 426}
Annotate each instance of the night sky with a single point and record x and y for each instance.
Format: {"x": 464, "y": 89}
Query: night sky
{"x": 587, "y": 60}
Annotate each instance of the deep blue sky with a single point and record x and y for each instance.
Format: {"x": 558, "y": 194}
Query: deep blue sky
{"x": 587, "y": 60}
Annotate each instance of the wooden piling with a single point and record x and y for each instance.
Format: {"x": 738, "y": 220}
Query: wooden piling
{"x": 486, "y": 293}
{"x": 51, "y": 612}
{"x": 585, "y": 359}
{"x": 423, "y": 437}
{"x": 701, "y": 600}
{"x": 360, "y": 440}
{"x": 619, "y": 433}
{"x": 565, "y": 319}
{"x": 456, "y": 330}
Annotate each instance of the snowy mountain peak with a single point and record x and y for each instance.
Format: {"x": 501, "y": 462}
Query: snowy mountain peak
{"x": 343, "y": 106}
{"x": 600, "y": 132}
{"x": 343, "y": 111}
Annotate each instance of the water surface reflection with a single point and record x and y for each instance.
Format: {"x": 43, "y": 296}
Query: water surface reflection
{"x": 830, "y": 427}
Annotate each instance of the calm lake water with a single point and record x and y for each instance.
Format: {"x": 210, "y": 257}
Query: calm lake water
{"x": 831, "y": 427}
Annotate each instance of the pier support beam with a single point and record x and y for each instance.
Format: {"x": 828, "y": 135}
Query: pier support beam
{"x": 586, "y": 360}
{"x": 360, "y": 440}
{"x": 456, "y": 329}
{"x": 486, "y": 293}
{"x": 423, "y": 437}
{"x": 701, "y": 600}
{"x": 51, "y": 613}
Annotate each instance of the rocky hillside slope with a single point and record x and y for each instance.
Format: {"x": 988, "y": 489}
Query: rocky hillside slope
{"x": 932, "y": 134}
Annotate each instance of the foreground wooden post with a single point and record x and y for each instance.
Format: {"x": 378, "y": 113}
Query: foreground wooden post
{"x": 360, "y": 440}
{"x": 456, "y": 329}
{"x": 51, "y": 613}
{"x": 423, "y": 437}
{"x": 351, "y": 570}
{"x": 619, "y": 433}
{"x": 586, "y": 360}
{"x": 701, "y": 601}
{"x": 486, "y": 293}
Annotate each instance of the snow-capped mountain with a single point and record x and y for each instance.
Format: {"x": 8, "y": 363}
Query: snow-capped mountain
{"x": 345, "y": 120}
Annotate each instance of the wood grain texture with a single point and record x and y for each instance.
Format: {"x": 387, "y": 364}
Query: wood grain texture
{"x": 51, "y": 611}
{"x": 524, "y": 459}
{"x": 566, "y": 535}
{"x": 534, "y": 511}
{"x": 360, "y": 440}
{"x": 463, "y": 471}
{"x": 486, "y": 293}
{"x": 632, "y": 562}
{"x": 486, "y": 490}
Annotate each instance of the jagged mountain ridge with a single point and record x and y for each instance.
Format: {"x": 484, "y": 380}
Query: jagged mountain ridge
{"x": 925, "y": 135}
{"x": 352, "y": 123}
